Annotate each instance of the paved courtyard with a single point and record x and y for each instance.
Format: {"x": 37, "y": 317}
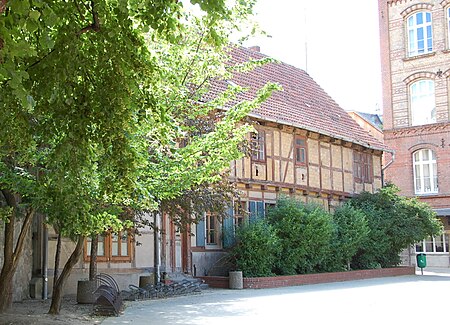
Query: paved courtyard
{"x": 398, "y": 300}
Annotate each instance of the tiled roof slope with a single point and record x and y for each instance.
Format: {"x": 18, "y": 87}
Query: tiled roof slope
{"x": 302, "y": 102}
{"x": 373, "y": 119}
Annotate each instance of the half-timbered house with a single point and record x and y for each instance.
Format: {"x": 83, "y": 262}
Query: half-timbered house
{"x": 305, "y": 146}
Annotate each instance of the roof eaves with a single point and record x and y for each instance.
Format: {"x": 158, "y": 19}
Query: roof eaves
{"x": 279, "y": 121}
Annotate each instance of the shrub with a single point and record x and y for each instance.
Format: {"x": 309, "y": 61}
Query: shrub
{"x": 395, "y": 223}
{"x": 305, "y": 232}
{"x": 256, "y": 250}
{"x": 351, "y": 231}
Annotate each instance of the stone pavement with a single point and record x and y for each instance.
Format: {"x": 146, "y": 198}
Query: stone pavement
{"x": 397, "y": 300}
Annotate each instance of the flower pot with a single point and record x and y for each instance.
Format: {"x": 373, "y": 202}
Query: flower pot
{"x": 85, "y": 291}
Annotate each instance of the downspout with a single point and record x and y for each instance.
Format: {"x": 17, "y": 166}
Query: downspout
{"x": 157, "y": 244}
{"x": 387, "y": 166}
{"x": 44, "y": 261}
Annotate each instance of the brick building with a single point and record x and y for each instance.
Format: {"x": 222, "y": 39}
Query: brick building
{"x": 415, "y": 59}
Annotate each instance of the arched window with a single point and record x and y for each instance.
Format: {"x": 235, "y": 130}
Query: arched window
{"x": 447, "y": 16}
{"x": 420, "y": 33}
{"x": 425, "y": 172}
{"x": 422, "y": 101}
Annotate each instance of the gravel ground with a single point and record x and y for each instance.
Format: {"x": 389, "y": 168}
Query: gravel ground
{"x": 35, "y": 311}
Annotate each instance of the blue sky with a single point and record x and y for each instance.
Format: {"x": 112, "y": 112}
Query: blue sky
{"x": 341, "y": 40}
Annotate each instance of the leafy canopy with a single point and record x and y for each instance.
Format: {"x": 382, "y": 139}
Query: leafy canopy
{"x": 95, "y": 96}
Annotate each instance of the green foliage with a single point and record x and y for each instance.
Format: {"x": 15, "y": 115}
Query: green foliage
{"x": 368, "y": 231}
{"x": 95, "y": 96}
{"x": 395, "y": 223}
{"x": 351, "y": 232}
{"x": 305, "y": 232}
{"x": 257, "y": 249}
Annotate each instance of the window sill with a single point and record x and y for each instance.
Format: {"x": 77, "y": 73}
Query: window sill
{"x": 426, "y": 194}
{"x": 415, "y": 57}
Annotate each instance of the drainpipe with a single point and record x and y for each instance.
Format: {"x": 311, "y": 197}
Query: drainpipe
{"x": 44, "y": 262}
{"x": 386, "y": 167}
{"x": 157, "y": 242}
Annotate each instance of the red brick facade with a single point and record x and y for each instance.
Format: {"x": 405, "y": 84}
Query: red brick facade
{"x": 407, "y": 61}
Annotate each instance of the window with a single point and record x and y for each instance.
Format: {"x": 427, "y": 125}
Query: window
{"x": 258, "y": 146}
{"x": 420, "y": 38}
{"x": 425, "y": 172}
{"x": 362, "y": 167}
{"x": 423, "y": 106}
{"x": 433, "y": 244}
{"x": 448, "y": 26}
{"x": 111, "y": 247}
{"x": 212, "y": 229}
{"x": 256, "y": 210}
{"x": 300, "y": 151}
{"x": 240, "y": 212}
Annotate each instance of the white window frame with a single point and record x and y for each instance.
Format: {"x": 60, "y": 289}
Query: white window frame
{"x": 421, "y": 247}
{"x": 420, "y": 165}
{"x": 447, "y": 16}
{"x": 422, "y": 102}
{"x": 413, "y": 29}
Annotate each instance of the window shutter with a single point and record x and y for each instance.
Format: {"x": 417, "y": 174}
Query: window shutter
{"x": 200, "y": 233}
{"x": 228, "y": 229}
{"x": 260, "y": 209}
{"x": 252, "y": 210}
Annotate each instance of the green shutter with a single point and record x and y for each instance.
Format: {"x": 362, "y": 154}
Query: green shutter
{"x": 200, "y": 233}
{"x": 228, "y": 229}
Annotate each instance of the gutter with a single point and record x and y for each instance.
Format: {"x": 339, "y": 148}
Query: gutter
{"x": 387, "y": 166}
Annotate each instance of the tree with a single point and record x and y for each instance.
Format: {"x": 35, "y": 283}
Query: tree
{"x": 92, "y": 111}
{"x": 395, "y": 223}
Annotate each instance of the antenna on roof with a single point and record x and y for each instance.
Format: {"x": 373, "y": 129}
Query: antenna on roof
{"x": 306, "y": 40}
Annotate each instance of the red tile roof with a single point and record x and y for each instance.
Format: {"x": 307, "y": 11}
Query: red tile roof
{"x": 302, "y": 103}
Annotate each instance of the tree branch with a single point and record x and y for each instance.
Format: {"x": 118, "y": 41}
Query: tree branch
{"x": 95, "y": 26}
{"x": 22, "y": 236}
{"x": 193, "y": 59}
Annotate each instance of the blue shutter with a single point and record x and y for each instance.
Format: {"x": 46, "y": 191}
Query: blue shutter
{"x": 228, "y": 229}
{"x": 260, "y": 209}
{"x": 200, "y": 233}
{"x": 252, "y": 210}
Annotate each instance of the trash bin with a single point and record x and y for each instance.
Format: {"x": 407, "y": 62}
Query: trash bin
{"x": 236, "y": 280}
{"x": 421, "y": 260}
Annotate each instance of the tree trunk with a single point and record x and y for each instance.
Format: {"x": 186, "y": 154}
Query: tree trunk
{"x": 11, "y": 254}
{"x": 55, "y": 306}
{"x": 57, "y": 260}
{"x": 93, "y": 258}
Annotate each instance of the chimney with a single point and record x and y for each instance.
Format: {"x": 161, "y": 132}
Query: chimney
{"x": 255, "y": 48}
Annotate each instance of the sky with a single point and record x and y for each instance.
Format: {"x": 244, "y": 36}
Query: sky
{"x": 340, "y": 38}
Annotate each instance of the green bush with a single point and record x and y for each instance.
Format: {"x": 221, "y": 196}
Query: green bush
{"x": 305, "y": 233}
{"x": 351, "y": 232}
{"x": 256, "y": 250}
{"x": 369, "y": 231}
{"x": 395, "y": 223}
